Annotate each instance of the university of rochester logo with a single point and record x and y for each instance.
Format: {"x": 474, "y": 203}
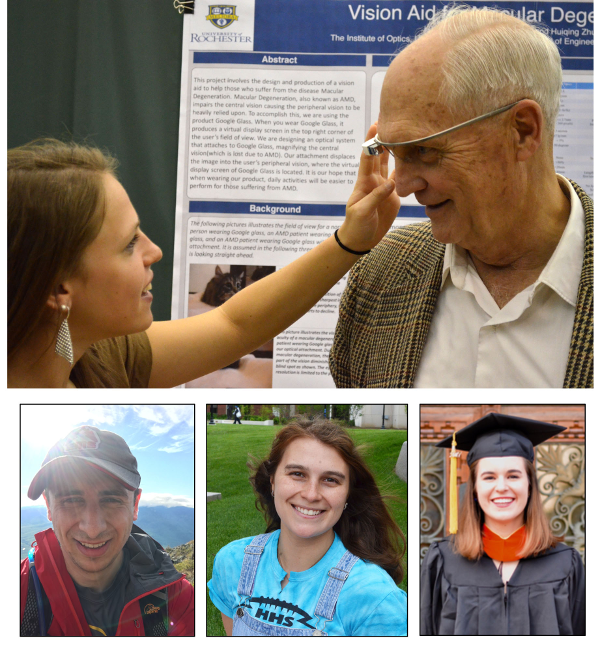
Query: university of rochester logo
{"x": 221, "y": 15}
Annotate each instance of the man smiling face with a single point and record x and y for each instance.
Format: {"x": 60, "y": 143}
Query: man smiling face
{"x": 92, "y": 515}
{"x": 469, "y": 181}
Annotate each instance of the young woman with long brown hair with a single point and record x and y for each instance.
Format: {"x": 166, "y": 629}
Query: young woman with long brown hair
{"x": 330, "y": 560}
{"x": 79, "y": 278}
{"x": 504, "y": 572}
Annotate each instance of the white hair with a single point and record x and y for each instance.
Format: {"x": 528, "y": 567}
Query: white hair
{"x": 495, "y": 59}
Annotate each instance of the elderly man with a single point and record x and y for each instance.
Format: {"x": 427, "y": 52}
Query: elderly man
{"x": 496, "y": 289}
{"x": 95, "y": 573}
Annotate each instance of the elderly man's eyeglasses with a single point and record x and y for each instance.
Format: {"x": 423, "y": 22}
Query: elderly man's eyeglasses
{"x": 375, "y": 146}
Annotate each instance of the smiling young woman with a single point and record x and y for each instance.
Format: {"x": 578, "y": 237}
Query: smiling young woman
{"x": 329, "y": 561}
{"x": 79, "y": 278}
{"x": 503, "y": 572}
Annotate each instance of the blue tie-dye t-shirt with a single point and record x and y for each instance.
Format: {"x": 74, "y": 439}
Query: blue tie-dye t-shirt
{"x": 370, "y": 603}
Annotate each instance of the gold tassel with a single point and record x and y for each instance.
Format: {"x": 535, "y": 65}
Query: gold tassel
{"x": 453, "y": 488}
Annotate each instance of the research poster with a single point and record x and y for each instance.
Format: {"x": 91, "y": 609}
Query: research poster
{"x": 276, "y": 98}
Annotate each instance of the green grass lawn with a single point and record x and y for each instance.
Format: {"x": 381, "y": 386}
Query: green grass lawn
{"x": 234, "y": 516}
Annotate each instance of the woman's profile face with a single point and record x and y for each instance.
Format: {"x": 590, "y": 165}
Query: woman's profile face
{"x": 110, "y": 295}
{"x": 502, "y": 488}
{"x": 310, "y": 488}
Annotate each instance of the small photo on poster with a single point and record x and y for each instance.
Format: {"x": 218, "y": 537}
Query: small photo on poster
{"x": 210, "y": 286}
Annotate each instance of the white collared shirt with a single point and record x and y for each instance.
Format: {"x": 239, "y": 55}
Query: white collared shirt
{"x": 474, "y": 343}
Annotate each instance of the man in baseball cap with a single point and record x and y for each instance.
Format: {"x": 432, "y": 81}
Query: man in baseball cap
{"x": 95, "y": 573}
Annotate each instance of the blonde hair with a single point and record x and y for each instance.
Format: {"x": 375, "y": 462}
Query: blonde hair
{"x": 496, "y": 59}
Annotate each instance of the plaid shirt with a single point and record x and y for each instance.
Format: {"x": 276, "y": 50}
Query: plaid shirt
{"x": 387, "y": 308}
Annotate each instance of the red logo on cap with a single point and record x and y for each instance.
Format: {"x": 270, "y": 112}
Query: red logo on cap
{"x": 84, "y": 438}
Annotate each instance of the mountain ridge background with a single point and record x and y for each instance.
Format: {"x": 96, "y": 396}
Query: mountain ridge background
{"x": 169, "y": 526}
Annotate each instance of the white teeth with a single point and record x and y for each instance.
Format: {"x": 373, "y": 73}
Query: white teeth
{"x": 502, "y": 500}
{"x": 92, "y": 545}
{"x": 306, "y": 511}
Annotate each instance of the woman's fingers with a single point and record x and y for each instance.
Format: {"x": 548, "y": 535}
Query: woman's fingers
{"x": 384, "y": 160}
{"x": 373, "y": 204}
{"x": 388, "y": 210}
{"x": 368, "y": 163}
{"x": 370, "y": 172}
{"x": 370, "y": 202}
{"x": 368, "y": 219}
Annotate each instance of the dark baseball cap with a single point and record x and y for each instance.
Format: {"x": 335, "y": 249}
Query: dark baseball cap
{"x": 103, "y": 450}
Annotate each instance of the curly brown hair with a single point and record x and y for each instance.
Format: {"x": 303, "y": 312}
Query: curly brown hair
{"x": 366, "y": 528}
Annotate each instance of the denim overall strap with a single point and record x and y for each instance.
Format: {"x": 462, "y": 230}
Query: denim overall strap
{"x": 252, "y": 555}
{"x": 337, "y": 576}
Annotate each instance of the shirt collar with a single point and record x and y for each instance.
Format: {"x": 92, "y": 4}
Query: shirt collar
{"x": 562, "y": 272}
{"x": 335, "y": 552}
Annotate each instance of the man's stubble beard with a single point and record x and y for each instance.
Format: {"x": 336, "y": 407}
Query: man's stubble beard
{"x": 85, "y": 570}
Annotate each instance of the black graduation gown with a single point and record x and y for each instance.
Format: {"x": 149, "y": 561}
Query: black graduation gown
{"x": 545, "y": 596}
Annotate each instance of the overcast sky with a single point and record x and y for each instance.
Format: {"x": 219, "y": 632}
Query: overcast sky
{"x": 161, "y": 437}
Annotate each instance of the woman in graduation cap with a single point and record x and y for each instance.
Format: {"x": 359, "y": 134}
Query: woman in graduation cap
{"x": 504, "y": 572}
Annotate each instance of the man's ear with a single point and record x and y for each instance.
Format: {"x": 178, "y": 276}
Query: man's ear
{"x": 528, "y": 127}
{"x": 136, "y": 503}
{"x": 48, "y": 511}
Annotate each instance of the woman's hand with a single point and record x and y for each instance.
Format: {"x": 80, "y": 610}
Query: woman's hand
{"x": 188, "y": 348}
{"x": 374, "y": 203}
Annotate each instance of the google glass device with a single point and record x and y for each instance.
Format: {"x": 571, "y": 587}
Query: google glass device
{"x": 375, "y": 146}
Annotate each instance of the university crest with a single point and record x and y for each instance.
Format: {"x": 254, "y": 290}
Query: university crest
{"x": 221, "y": 15}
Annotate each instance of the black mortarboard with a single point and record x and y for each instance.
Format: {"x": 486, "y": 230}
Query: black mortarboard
{"x": 497, "y": 434}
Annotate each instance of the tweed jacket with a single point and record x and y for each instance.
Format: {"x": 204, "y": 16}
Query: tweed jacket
{"x": 387, "y": 308}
